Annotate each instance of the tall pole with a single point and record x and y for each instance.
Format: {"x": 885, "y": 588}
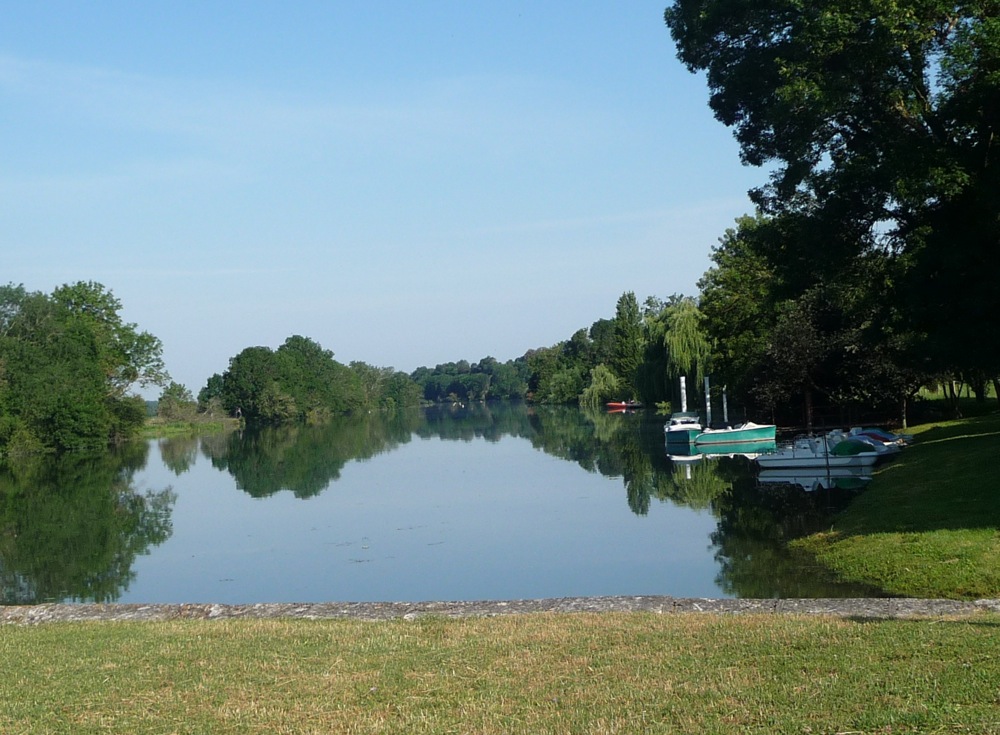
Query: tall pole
{"x": 708, "y": 404}
{"x": 684, "y": 397}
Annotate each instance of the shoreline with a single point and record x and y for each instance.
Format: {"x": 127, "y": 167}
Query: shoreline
{"x": 860, "y": 608}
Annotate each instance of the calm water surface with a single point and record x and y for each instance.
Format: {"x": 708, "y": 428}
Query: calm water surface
{"x": 485, "y": 502}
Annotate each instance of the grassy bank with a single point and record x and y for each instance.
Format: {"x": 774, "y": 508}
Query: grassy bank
{"x": 928, "y": 524}
{"x": 571, "y": 673}
{"x": 157, "y": 428}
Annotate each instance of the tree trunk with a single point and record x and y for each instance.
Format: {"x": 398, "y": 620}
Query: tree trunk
{"x": 951, "y": 398}
{"x": 809, "y": 410}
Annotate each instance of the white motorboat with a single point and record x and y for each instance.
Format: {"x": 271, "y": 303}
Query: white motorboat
{"x": 822, "y": 452}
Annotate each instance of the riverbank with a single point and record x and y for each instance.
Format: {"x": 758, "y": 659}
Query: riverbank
{"x": 859, "y": 609}
{"x": 158, "y": 428}
{"x": 927, "y": 526}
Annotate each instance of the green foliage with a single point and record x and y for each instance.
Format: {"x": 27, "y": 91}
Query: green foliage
{"x": 487, "y": 379}
{"x": 604, "y": 386}
{"x": 176, "y": 403}
{"x": 385, "y": 388}
{"x": 879, "y": 123}
{"x": 66, "y": 363}
{"x": 125, "y": 355}
{"x": 602, "y": 337}
{"x": 629, "y": 344}
{"x": 688, "y": 349}
{"x": 212, "y": 391}
{"x": 300, "y": 381}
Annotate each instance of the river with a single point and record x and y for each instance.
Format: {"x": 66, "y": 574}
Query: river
{"x": 480, "y": 502}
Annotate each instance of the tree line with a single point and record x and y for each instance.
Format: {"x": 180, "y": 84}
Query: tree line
{"x": 867, "y": 271}
{"x": 301, "y": 381}
{"x": 869, "y": 267}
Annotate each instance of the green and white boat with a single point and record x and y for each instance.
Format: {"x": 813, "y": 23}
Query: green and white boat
{"x": 682, "y": 428}
{"x": 748, "y": 433}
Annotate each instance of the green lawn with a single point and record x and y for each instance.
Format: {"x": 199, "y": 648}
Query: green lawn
{"x": 543, "y": 673}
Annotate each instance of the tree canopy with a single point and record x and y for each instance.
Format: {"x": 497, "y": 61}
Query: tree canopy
{"x": 300, "y": 381}
{"x": 67, "y": 364}
{"x": 879, "y": 123}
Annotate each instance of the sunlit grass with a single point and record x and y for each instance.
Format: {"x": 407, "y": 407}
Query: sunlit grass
{"x": 157, "y": 428}
{"x": 547, "y": 673}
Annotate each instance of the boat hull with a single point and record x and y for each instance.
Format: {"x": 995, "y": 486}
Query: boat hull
{"x": 793, "y": 459}
{"x": 682, "y": 428}
{"x": 681, "y": 437}
{"x": 693, "y": 451}
{"x": 746, "y": 434}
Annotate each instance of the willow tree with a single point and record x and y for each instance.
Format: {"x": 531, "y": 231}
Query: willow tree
{"x": 689, "y": 351}
{"x": 604, "y": 386}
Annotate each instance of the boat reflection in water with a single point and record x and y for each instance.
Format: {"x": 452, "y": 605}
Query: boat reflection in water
{"x": 695, "y": 452}
{"x": 817, "y": 478}
{"x": 813, "y": 475}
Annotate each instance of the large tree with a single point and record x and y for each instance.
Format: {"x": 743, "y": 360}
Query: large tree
{"x": 126, "y": 355}
{"x": 879, "y": 119}
{"x": 629, "y": 343}
{"x": 300, "y": 381}
{"x": 67, "y": 364}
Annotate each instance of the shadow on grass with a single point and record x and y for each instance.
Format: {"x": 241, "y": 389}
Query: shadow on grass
{"x": 946, "y": 480}
{"x": 944, "y": 430}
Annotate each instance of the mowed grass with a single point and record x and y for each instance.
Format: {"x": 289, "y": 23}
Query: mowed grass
{"x": 929, "y": 524}
{"x": 544, "y": 673}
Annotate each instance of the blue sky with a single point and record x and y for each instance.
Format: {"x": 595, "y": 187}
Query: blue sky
{"x": 405, "y": 183}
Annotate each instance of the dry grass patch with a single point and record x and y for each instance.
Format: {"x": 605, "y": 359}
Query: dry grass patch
{"x": 581, "y": 673}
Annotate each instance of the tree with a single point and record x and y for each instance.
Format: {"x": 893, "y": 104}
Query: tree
{"x": 604, "y": 386}
{"x": 385, "y": 388}
{"x": 602, "y": 338}
{"x": 176, "y": 402}
{"x": 300, "y": 381}
{"x": 628, "y": 342}
{"x": 126, "y": 355}
{"x": 210, "y": 397}
{"x": 66, "y": 364}
{"x": 506, "y": 380}
{"x": 880, "y": 120}
{"x": 688, "y": 349}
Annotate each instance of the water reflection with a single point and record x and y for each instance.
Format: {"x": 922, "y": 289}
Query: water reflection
{"x": 818, "y": 478}
{"x": 306, "y": 459}
{"x": 754, "y": 522}
{"x": 72, "y": 529}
